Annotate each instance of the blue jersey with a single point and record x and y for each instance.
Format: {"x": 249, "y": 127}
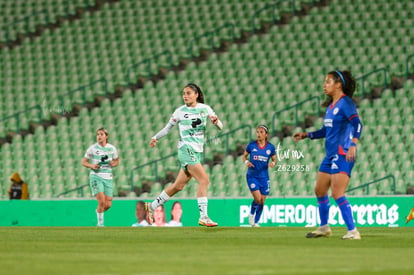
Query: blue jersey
{"x": 259, "y": 157}
{"x": 337, "y": 129}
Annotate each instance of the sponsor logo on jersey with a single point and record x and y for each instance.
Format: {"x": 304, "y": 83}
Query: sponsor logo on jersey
{"x": 191, "y": 115}
{"x": 260, "y": 158}
{"x": 328, "y": 122}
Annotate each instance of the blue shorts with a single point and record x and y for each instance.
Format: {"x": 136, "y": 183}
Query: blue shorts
{"x": 336, "y": 164}
{"x": 261, "y": 184}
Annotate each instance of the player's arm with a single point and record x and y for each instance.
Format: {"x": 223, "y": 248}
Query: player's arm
{"x": 216, "y": 121}
{"x": 214, "y": 118}
{"x": 321, "y": 133}
{"x": 115, "y": 162}
{"x": 356, "y": 134}
{"x": 273, "y": 163}
{"x": 85, "y": 162}
{"x": 164, "y": 131}
{"x": 245, "y": 160}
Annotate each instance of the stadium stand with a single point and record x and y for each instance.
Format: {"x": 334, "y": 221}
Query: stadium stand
{"x": 245, "y": 85}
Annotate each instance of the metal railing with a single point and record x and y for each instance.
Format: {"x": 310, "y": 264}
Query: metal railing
{"x": 296, "y": 107}
{"x": 18, "y": 114}
{"x": 155, "y": 163}
{"x": 272, "y": 6}
{"x": 365, "y": 76}
{"x": 26, "y": 21}
{"x": 367, "y": 185}
{"x": 79, "y": 189}
{"x": 148, "y": 65}
{"x": 82, "y": 89}
{"x": 407, "y": 66}
{"x": 227, "y": 136}
{"x": 210, "y": 36}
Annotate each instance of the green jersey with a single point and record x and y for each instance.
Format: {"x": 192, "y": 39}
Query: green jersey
{"x": 192, "y": 124}
{"x": 97, "y": 154}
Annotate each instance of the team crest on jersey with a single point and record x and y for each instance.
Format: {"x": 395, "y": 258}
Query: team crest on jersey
{"x": 335, "y": 111}
{"x": 268, "y": 152}
{"x": 202, "y": 114}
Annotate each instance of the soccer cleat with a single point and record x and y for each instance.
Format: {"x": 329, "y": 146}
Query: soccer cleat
{"x": 206, "y": 221}
{"x": 255, "y": 225}
{"x": 321, "y": 231}
{"x": 352, "y": 235}
{"x": 149, "y": 213}
{"x": 100, "y": 225}
{"x": 251, "y": 219}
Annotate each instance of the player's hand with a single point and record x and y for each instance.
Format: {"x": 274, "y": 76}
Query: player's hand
{"x": 351, "y": 155}
{"x": 213, "y": 119}
{"x": 95, "y": 166}
{"x": 249, "y": 164}
{"x": 153, "y": 142}
{"x": 272, "y": 164}
{"x": 299, "y": 136}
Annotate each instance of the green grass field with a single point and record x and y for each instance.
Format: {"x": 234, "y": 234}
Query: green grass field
{"x": 197, "y": 250}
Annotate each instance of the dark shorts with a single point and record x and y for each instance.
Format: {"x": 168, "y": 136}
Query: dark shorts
{"x": 261, "y": 184}
{"x": 336, "y": 164}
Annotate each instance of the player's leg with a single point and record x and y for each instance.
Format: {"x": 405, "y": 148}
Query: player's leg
{"x": 109, "y": 193}
{"x": 108, "y": 202}
{"x": 100, "y": 197}
{"x": 253, "y": 185}
{"x": 254, "y": 206}
{"x": 259, "y": 210}
{"x": 198, "y": 172}
{"x": 340, "y": 183}
{"x": 182, "y": 179}
{"x": 322, "y": 186}
{"x": 97, "y": 189}
{"x": 323, "y": 183}
{"x": 264, "y": 189}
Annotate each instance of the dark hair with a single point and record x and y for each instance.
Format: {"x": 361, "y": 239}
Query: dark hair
{"x": 347, "y": 81}
{"x": 264, "y": 127}
{"x": 196, "y": 89}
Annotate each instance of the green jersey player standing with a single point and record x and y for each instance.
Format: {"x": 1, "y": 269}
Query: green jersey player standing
{"x": 192, "y": 119}
{"x": 101, "y": 157}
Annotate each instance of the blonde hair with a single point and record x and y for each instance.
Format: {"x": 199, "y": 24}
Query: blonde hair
{"x": 103, "y": 130}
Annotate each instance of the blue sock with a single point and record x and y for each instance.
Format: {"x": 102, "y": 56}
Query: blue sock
{"x": 253, "y": 207}
{"x": 346, "y": 212}
{"x": 258, "y": 213}
{"x": 323, "y": 203}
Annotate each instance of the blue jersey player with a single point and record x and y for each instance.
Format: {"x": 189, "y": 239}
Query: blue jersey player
{"x": 260, "y": 151}
{"x": 341, "y": 130}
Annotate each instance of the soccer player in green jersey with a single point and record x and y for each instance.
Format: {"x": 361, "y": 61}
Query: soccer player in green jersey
{"x": 101, "y": 157}
{"x": 192, "y": 119}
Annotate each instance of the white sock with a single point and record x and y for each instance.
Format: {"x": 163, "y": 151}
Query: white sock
{"x": 160, "y": 200}
{"x": 100, "y": 217}
{"x": 202, "y": 206}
